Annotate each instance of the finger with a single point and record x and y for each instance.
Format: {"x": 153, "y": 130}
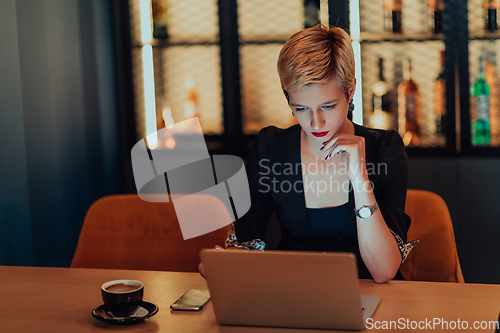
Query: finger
{"x": 341, "y": 148}
{"x": 201, "y": 269}
{"x": 329, "y": 153}
{"x": 332, "y": 154}
{"x": 333, "y": 140}
{"x": 328, "y": 143}
{"x": 341, "y": 139}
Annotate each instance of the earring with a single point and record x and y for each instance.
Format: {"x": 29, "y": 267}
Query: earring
{"x": 351, "y": 106}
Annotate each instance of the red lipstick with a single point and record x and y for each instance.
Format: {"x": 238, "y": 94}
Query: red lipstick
{"x": 319, "y": 134}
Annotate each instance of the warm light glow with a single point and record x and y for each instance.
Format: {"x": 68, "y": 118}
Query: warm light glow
{"x": 407, "y": 138}
{"x": 166, "y": 114}
{"x": 152, "y": 140}
{"x": 380, "y": 119}
{"x": 323, "y": 13}
{"x": 357, "y": 115}
{"x": 148, "y": 74}
{"x": 192, "y": 99}
{"x": 354, "y": 20}
{"x": 149, "y": 93}
{"x": 146, "y": 26}
{"x": 380, "y": 88}
{"x": 170, "y": 144}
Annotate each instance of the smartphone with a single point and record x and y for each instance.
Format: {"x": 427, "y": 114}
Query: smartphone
{"x": 192, "y": 300}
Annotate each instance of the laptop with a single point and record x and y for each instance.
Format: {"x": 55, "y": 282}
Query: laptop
{"x": 288, "y": 289}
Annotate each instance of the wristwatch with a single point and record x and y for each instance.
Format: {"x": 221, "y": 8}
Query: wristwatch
{"x": 366, "y": 211}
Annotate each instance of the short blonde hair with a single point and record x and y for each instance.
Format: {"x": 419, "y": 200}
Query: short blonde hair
{"x": 315, "y": 55}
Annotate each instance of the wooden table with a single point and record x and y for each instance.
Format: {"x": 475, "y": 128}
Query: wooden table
{"x": 34, "y": 299}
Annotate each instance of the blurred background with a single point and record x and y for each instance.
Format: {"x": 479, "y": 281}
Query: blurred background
{"x": 82, "y": 81}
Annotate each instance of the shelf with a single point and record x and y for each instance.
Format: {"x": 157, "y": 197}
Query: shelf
{"x": 430, "y": 151}
{"x": 161, "y": 43}
{"x": 398, "y": 38}
{"x": 485, "y": 35}
{"x": 262, "y": 42}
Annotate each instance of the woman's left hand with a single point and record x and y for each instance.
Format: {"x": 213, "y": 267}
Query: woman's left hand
{"x": 351, "y": 149}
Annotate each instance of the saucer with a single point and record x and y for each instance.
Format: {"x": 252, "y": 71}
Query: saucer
{"x": 128, "y": 314}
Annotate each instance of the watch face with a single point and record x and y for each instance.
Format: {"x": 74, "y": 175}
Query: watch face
{"x": 365, "y": 212}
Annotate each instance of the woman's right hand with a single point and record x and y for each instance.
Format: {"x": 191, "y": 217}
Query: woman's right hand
{"x": 200, "y": 265}
{"x": 216, "y": 247}
{"x": 201, "y": 270}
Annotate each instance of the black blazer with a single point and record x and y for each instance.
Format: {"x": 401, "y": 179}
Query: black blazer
{"x": 275, "y": 180}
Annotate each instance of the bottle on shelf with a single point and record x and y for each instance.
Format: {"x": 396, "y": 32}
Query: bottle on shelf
{"x": 491, "y": 77}
{"x": 393, "y": 15}
{"x": 490, "y": 14}
{"x": 409, "y": 107}
{"x": 191, "y": 101}
{"x": 440, "y": 100}
{"x": 160, "y": 19}
{"x": 311, "y": 13}
{"x": 436, "y": 8}
{"x": 381, "y": 117}
{"x": 481, "y": 134}
{"x": 166, "y": 115}
{"x": 167, "y": 140}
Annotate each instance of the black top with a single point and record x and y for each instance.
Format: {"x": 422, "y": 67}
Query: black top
{"x": 330, "y": 224}
{"x": 275, "y": 178}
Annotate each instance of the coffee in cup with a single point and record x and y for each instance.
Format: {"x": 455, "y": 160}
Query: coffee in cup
{"x": 122, "y": 292}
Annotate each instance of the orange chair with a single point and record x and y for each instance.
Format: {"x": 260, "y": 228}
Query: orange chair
{"x": 434, "y": 257}
{"x": 125, "y": 232}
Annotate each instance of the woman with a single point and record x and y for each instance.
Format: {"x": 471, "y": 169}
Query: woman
{"x": 334, "y": 185}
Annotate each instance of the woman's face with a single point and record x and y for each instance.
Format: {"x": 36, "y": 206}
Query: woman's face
{"x": 321, "y": 109}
